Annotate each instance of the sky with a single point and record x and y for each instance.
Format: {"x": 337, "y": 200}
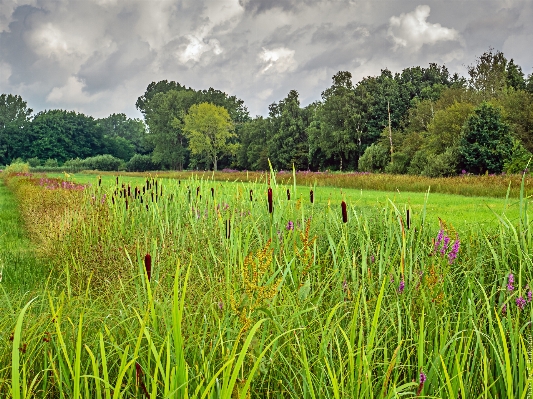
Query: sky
{"x": 98, "y": 56}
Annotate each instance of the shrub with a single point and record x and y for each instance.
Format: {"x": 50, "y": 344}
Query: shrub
{"x": 375, "y": 159}
{"x": 141, "y": 163}
{"x": 17, "y": 167}
{"x": 519, "y": 160}
{"x": 103, "y": 162}
{"x": 398, "y": 164}
{"x": 418, "y": 163}
{"x": 33, "y": 162}
{"x": 51, "y": 163}
{"x": 441, "y": 165}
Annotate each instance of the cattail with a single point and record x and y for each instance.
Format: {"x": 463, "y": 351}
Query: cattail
{"x": 344, "y": 212}
{"x": 144, "y": 190}
{"x": 99, "y": 180}
{"x": 152, "y": 196}
{"x": 129, "y": 191}
{"x": 251, "y": 195}
{"x": 148, "y": 264}
{"x": 147, "y": 184}
{"x": 270, "y": 207}
{"x": 117, "y": 180}
{"x": 197, "y": 191}
{"x": 113, "y": 200}
{"x": 228, "y": 229}
{"x": 146, "y": 206}
{"x": 126, "y": 204}
{"x": 408, "y": 219}
{"x": 156, "y": 186}
{"x": 161, "y": 191}
{"x": 311, "y": 197}
{"x": 288, "y": 195}
{"x": 212, "y": 192}
{"x": 141, "y": 200}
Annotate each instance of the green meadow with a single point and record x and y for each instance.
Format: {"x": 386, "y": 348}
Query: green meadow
{"x": 150, "y": 287}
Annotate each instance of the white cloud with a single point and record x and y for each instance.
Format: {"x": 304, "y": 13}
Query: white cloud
{"x": 197, "y": 47}
{"x": 278, "y": 60}
{"x": 411, "y": 30}
{"x": 71, "y": 93}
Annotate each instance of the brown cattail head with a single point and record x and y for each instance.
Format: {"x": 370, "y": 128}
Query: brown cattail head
{"x": 408, "y": 219}
{"x": 126, "y": 204}
{"x": 99, "y": 180}
{"x": 228, "y": 229}
{"x": 197, "y": 191}
{"x": 117, "y": 180}
{"x": 251, "y": 195}
{"x": 311, "y": 196}
{"x": 344, "y": 212}
{"x": 113, "y": 200}
{"x": 212, "y": 192}
{"x": 152, "y": 196}
{"x": 270, "y": 206}
{"x": 288, "y": 195}
{"x": 129, "y": 190}
{"x": 148, "y": 264}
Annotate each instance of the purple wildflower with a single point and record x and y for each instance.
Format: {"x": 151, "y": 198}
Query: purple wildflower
{"x": 220, "y": 305}
{"x": 401, "y": 287}
{"x": 504, "y": 309}
{"x": 529, "y": 296}
{"x": 440, "y": 236}
{"x": 521, "y": 303}
{"x": 455, "y": 250}
{"x": 445, "y": 245}
{"x": 423, "y": 379}
{"x": 510, "y": 282}
{"x": 290, "y": 225}
{"x": 372, "y": 259}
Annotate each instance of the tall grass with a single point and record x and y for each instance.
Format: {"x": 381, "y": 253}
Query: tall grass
{"x": 241, "y": 303}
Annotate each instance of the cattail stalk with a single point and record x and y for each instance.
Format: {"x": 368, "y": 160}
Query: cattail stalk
{"x": 148, "y": 263}
{"x": 311, "y": 196}
{"x": 251, "y": 195}
{"x": 228, "y": 229}
{"x": 270, "y": 206}
{"x": 344, "y": 212}
{"x": 288, "y": 195}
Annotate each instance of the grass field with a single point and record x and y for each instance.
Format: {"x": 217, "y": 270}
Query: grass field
{"x": 463, "y": 212}
{"x": 172, "y": 290}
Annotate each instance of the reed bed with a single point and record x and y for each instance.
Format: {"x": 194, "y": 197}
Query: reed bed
{"x": 192, "y": 288}
{"x": 496, "y": 186}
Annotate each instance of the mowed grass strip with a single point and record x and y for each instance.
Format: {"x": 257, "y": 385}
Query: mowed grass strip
{"x": 463, "y": 212}
{"x": 20, "y": 270}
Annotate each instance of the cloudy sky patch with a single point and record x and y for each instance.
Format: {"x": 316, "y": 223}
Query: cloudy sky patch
{"x": 98, "y": 56}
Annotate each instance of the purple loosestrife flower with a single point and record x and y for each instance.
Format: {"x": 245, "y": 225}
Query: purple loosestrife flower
{"x": 439, "y": 239}
{"x": 445, "y": 245}
{"x": 504, "y": 309}
{"x": 521, "y": 303}
{"x": 290, "y": 225}
{"x": 510, "y": 282}
{"x": 423, "y": 379}
{"x": 529, "y": 296}
{"x": 402, "y": 286}
{"x": 455, "y": 250}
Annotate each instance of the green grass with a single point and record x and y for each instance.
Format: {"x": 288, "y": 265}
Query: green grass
{"x": 463, "y": 212}
{"x": 314, "y": 312}
{"x": 17, "y": 252}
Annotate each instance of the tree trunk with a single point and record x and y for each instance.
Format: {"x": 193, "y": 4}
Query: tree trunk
{"x": 215, "y": 164}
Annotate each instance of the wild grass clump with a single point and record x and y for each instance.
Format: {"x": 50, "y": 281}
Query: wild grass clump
{"x": 196, "y": 288}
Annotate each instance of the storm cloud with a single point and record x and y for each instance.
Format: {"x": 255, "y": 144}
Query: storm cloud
{"x": 98, "y": 56}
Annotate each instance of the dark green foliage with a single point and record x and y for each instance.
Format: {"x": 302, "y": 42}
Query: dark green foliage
{"x": 486, "y": 144}
{"x": 14, "y": 121}
{"x": 103, "y": 162}
{"x": 288, "y": 143}
{"x": 375, "y": 159}
{"x": 399, "y": 163}
{"x": 141, "y": 163}
{"x": 441, "y": 165}
{"x": 119, "y": 129}
{"x": 63, "y": 135}
{"x": 253, "y": 152}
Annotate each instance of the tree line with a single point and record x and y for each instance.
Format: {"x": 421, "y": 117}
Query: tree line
{"x": 422, "y": 120}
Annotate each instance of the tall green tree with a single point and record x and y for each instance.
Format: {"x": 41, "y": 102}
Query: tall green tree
{"x": 61, "y": 135}
{"x": 14, "y": 121}
{"x": 340, "y": 136}
{"x": 209, "y": 129}
{"x": 253, "y": 150}
{"x": 132, "y": 130}
{"x": 288, "y": 143}
{"x": 488, "y": 75}
{"x": 486, "y": 143}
